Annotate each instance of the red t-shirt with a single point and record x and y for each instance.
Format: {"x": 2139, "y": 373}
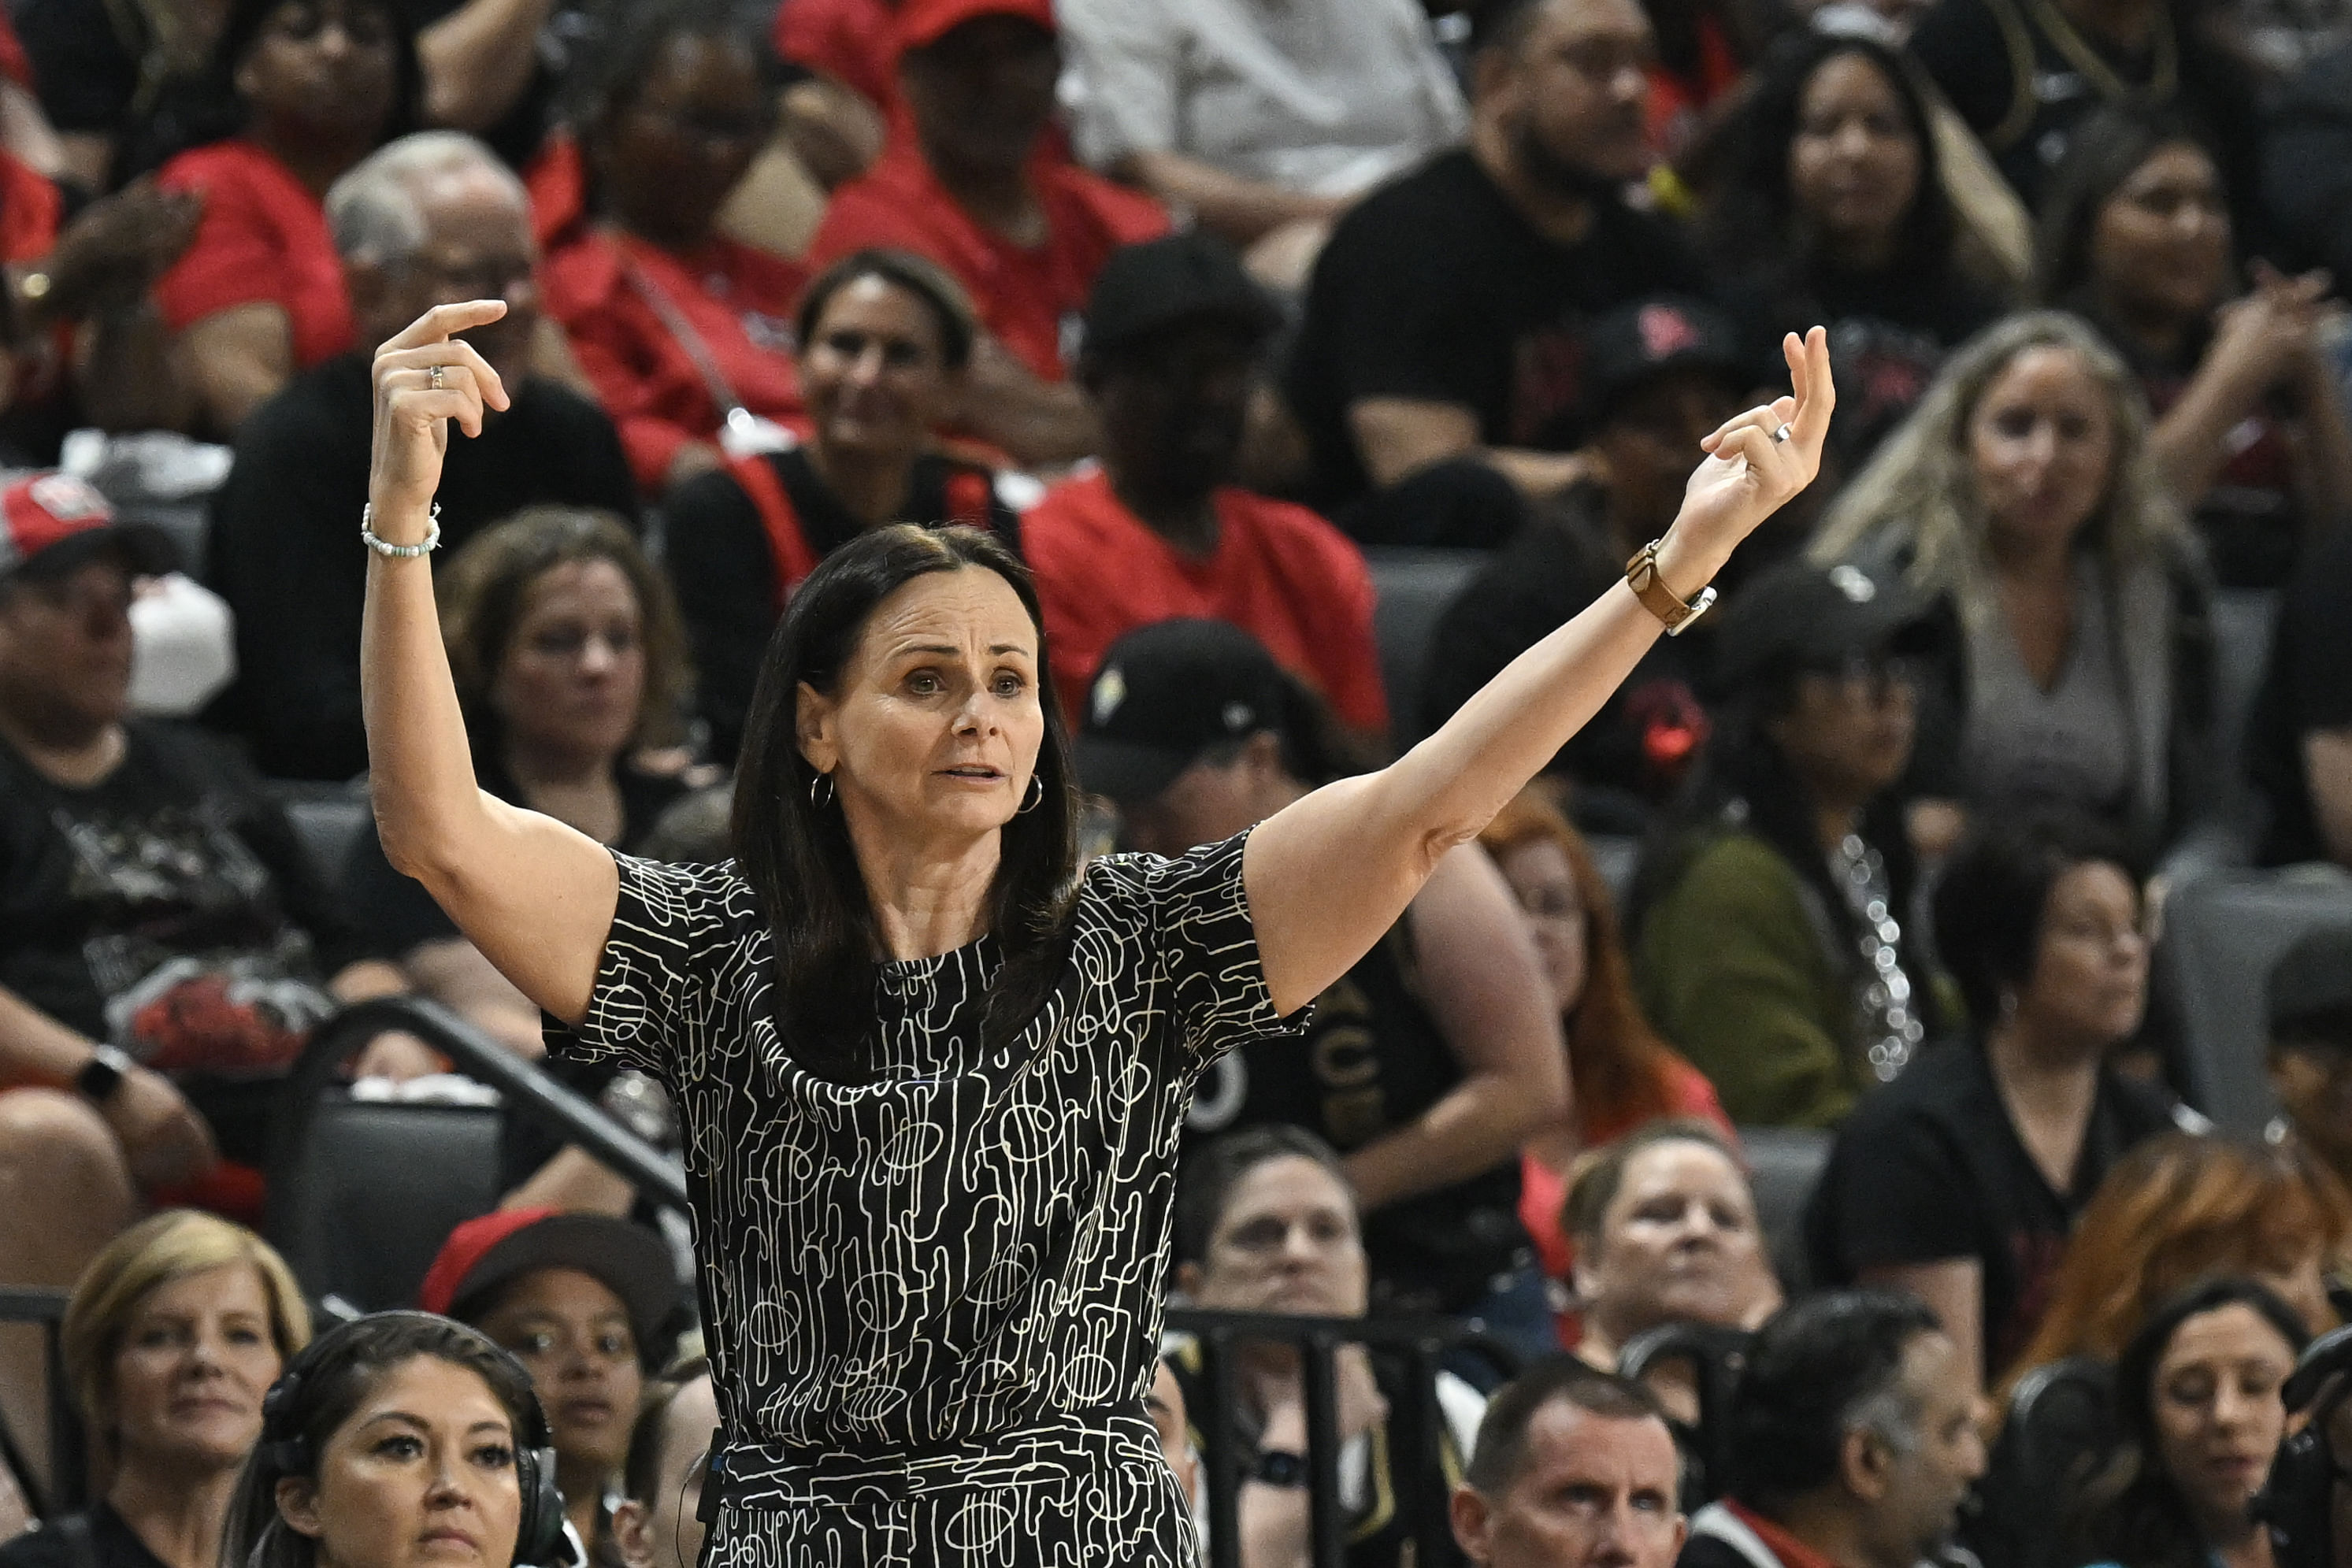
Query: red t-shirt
{"x": 262, "y": 239}
{"x": 30, "y": 206}
{"x": 1025, "y": 298}
{"x": 852, "y": 41}
{"x": 1279, "y": 571}
{"x": 15, "y": 63}
{"x": 738, "y": 300}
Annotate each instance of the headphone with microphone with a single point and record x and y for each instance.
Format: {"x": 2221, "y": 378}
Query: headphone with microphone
{"x": 283, "y": 1450}
{"x": 2297, "y": 1501}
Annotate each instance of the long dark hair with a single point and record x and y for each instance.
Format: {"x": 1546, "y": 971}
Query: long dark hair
{"x": 325, "y": 1385}
{"x": 1756, "y": 212}
{"x": 2131, "y": 1510}
{"x": 2102, "y": 154}
{"x": 796, "y": 855}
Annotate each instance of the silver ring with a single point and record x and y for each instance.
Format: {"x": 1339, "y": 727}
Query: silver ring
{"x": 433, "y": 378}
{"x": 1780, "y": 435}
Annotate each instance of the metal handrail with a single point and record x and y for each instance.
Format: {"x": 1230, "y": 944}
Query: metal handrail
{"x": 1414, "y": 1428}
{"x": 528, "y": 1088}
{"x": 68, "y": 1483}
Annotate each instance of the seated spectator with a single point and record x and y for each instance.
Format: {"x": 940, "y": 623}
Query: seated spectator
{"x": 1572, "y": 1468}
{"x": 685, "y": 333}
{"x": 1961, "y": 1181}
{"x": 2299, "y": 730}
{"x": 1665, "y": 1230}
{"x": 1267, "y": 1222}
{"x": 337, "y": 1489}
{"x": 2310, "y": 1010}
{"x": 164, "y": 943}
{"x": 568, "y": 659}
{"x": 1259, "y": 122}
{"x": 884, "y": 343}
{"x": 2023, "y": 497}
{"x": 1770, "y": 909}
{"x": 1172, "y": 1423}
{"x": 967, "y": 181}
{"x": 1658, "y": 376}
{"x": 172, "y": 1337}
{"x": 1833, "y": 210}
{"x": 2199, "y": 1408}
{"x": 85, "y": 66}
{"x": 2250, "y": 431}
{"x": 580, "y": 1299}
{"x": 1439, "y": 341}
{"x": 258, "y": 296}
{"x": 1161, "y": 531}
{"x": 2025, "y": 77}
{"x": 1428, "y": 1062}
{"x": 658, "y": 1523}
{"x": 1852, "y": 1438}
{"x": 430, "y": 219}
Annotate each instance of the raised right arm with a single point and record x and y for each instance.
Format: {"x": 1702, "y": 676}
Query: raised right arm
{"x": 535, "y": 896}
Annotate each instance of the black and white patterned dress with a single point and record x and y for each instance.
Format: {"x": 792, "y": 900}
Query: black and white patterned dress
{"x": 932, "y": 1301}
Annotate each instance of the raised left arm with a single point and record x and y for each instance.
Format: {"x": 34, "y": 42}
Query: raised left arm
{"x": 1327, "y": 875}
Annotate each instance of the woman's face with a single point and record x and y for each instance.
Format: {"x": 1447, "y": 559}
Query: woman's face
{"x": 324, "y": 67}
{"x": 2218, "y": 1413}
{"x": 421, "y": 1476}
{"x": 934, "y": 732}
{"x": 2089, "y": 984}
{"x": 572, "y": 1333}
{"x": 1679, "y": 1241}
{"x": 572, "y": 683}
{"x": 1848, "y": 732}
{"x": 196, "y": 1357}
{"x": 2160, "y": 244}
{"x": 1286, "y": 1242}
{"x": 682, "y": 144}
{"x": 2042, "y": 444}
{"x": 1553, "y": 905}
{"x": 874, "y": 372}
{"x": 1853, "y": 164}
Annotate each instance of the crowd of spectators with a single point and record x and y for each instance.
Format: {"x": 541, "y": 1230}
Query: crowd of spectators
{"x": 1228, "y": 318}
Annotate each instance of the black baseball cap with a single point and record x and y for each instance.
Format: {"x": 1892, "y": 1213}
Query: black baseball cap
{"x": 1797, "y": 613}
{"x": 1143, "y": 288}
{"x": 1634, "y": 343}
{"x": 2312, "y": 979}
{"x": 1165, "y": 693}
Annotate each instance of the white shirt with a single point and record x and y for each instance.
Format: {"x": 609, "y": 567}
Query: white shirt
{"x": 1328, "y": 96}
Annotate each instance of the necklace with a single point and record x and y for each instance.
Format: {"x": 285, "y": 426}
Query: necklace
{"x": 1886, "y": 1022}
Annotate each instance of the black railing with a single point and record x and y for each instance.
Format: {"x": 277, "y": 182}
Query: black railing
{"x": 68, "y": 1481}
{"x": 1415, "y": 1425}
{"x": 1715, "y": 1356}
{"x": 527, "y": 1087}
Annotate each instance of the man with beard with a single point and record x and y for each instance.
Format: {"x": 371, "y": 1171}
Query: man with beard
{"x": 430, "y": 218}
{"x": 1855, "y": 1437}
{"x": 1158, "y": 532}
{"x": 1439, "y": 355}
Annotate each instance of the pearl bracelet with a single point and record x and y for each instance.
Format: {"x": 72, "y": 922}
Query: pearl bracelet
{"x": 403, "y": 552}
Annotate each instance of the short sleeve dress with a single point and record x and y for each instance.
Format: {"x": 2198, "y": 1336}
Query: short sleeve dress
{"x": 932, "y": 1301}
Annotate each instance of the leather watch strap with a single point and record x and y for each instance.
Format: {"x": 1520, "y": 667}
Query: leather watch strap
{"x": 1673, "y": 611}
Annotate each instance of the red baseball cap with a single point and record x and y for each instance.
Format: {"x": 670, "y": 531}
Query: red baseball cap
{"x": 482, "y": 1254}
{"x": 57, "y": 521}
{"x": 922, "y": 22}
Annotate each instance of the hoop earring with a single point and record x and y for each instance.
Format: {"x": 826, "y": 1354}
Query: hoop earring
{"x": 1037, "y": 788}
{"x": 816, "y": 804}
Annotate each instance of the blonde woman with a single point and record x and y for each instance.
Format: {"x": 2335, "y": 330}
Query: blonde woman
{"x": 174, "y": 1334}
{"x": 2022, "y": 495}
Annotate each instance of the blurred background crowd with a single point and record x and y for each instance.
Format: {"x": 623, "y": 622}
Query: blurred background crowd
{"x": 1925, "y": 986}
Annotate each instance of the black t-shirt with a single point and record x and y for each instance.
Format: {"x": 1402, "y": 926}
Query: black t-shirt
{"x": 1930, "y": 1168}
{"x": 1967, "y": 47}
{"x": 112, "y": 1544}
{"x": 286, "y": 552}
{"x": 1436, "y": 288}
{"x": 168, "y": 909}
{"x": 1643, "y": 739}
{"x": 85, "y": 71}
{"x": 2307, "y": 687}
{"x": 1371, "y": 1062}
{"x": 725, "y": 571}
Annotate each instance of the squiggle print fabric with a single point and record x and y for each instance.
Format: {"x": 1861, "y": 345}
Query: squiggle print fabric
{"x": 932, "y": 1302}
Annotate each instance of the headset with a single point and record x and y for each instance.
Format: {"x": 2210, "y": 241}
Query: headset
{"x": 284, "y": 1451}
{"x": 2297, "y": 1501}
